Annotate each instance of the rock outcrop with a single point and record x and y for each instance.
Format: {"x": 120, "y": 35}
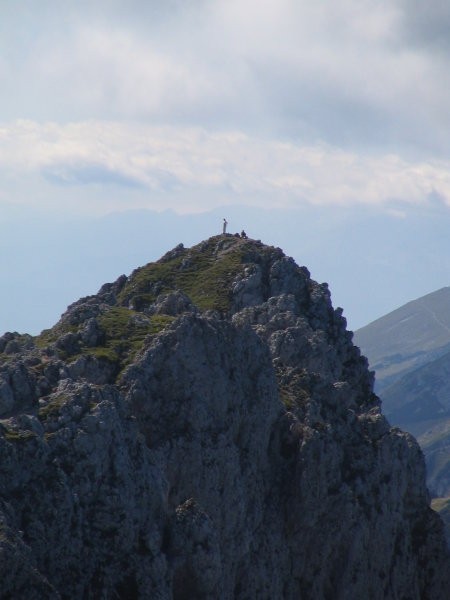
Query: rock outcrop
{"x": 204, "y": 429}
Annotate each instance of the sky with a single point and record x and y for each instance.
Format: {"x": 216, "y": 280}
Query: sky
{"x": 127, "y": 127}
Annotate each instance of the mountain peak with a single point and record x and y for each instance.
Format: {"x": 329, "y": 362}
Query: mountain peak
{"x": 204, "y": 428}
{"x": 216, "y": 277}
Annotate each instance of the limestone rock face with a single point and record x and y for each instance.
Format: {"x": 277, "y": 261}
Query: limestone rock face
{"x": 204, "y": 429}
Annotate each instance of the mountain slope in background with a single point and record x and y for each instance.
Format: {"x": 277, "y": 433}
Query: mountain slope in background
{"x": 205, "y": 428}
{"x": 409, "y": 350}
{"x": 406, "y": 338}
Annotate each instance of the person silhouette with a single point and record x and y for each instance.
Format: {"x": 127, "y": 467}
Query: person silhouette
{"x": 225, "y": 223}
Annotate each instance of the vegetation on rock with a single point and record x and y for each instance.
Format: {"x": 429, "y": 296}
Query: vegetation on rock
{"x": 205, "y": 428}
{"x": 204, "y": 273}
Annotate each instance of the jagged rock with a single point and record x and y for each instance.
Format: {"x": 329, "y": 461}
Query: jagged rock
{"x": 91, "y": 335}
{"x": 6, "y": 397}
{"x": 69, "y": 343}
{"x": 175, "y": 303}
{"x": 91, "y": 369}
{"x": 109, "y": 291}
{"x": 4, "y": 339}
{"x": 195, "y": 551}
{"x": 174, "y": 253}
{"x": 17, "y": 387}
{"x": 206, "y": 429}
{"x": 13, "y": 343}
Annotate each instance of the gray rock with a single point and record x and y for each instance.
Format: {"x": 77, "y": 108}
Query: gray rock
{"x": 6, "y": 397}
{"x": 173, "y": 304}
{"x": 91, "y": 334}
{"x": 235, "y": 458}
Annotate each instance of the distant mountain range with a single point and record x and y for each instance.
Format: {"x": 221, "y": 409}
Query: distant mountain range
{"x": 409, "y": 349}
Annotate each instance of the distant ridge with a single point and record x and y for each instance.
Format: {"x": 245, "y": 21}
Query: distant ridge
{"x": 409, "y": 349}
{"x": 408, "y": 337}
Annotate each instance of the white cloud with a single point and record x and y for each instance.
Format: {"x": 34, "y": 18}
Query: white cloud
{"x": 193, "y": 103}
{"x": 171, "y": 165}
{"x": 348, "y": 73}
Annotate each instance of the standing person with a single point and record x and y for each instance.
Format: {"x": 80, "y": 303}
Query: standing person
{"x": 225, "y": 223}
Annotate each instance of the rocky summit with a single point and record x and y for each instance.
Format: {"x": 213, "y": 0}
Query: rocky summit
{"x": 206, "y": 429}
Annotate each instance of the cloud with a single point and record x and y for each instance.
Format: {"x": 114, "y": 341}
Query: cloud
{"x": 266, "y": 102}
{"x": 350, "y": 74}
{"x": 426, "y": 25}
{"x": 191, "y": 169}
{"x": 87, "y": 174}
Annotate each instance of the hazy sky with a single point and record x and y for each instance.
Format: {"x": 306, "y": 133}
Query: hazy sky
{"x": 194, "y": 105}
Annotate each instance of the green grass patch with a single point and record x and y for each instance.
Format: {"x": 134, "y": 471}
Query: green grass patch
{"x": 53, "y": 408}
{"x": 204, "y": 276}
{"x": 159, "y": 322}
{"x": 105, "y": 353}
{"x": 125, "y": 330}
{"x": 49, "y": 336}
{"x": 12, "y": 435}
{"x": 287, "y": 399}
{"x": 124, "y": 333}
{"x": 292, "y": 394}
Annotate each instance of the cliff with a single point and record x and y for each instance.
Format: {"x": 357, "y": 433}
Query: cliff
{"x": 204, "y": 429}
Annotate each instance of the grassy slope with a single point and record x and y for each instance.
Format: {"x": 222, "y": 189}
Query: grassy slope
{"x": 201, "y": 273}
{"x": 204, "y": 273}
